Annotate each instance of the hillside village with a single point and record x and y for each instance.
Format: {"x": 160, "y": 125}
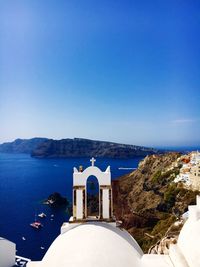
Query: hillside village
{"x": 190, "y": 171}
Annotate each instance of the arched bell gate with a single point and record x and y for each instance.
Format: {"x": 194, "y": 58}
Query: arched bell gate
{"x": 80, "y": 193}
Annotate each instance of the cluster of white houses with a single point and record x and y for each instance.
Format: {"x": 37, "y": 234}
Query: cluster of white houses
{"x": 190, "y": 171}
{"x": 98, "y": 241}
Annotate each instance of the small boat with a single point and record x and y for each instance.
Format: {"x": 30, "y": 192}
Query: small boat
{"x": 23, "y": 238}
{"x": 42, "y": 247}
{"x": 36, "y": 225}
{"x": 52, "y": 215}
{"x": 42, "y": 215}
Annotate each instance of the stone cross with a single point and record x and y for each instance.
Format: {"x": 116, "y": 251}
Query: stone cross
{"x": 93, "y": 161}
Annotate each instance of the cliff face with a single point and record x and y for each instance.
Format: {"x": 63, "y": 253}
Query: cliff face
{"x": 77, "y": 147}
{"x": 21, "y": 145}
{"x": 148, "y": 202}
{"x": 87, "y": 148}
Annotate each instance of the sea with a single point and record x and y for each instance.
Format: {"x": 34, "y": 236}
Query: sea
{"x": 25, "y": 182}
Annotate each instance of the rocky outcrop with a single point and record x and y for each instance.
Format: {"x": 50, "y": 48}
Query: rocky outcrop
{"x": 56, "y": 200}
{"x": 21, "y": 145}
{"x": 148, "y": 202}
{"x": 79, "y": 147}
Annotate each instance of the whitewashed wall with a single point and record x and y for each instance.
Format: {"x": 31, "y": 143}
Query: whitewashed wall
{"x": 7, "y": 253}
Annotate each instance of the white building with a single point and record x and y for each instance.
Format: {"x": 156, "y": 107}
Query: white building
{"x": 195, "y": 176}
{"x": 7, "y": 253}
{"x": 98, "y": 242}
{"x": 195, "y": 157}
{"x": 195, "y": 170}
{"x": 184, "y": 178}
{"x": 190, "y": 172}
{"x": 8, "y": 257}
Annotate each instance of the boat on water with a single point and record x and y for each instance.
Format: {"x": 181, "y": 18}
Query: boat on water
{"x": 36, "y": 225}
{"x": 42, "y": 215}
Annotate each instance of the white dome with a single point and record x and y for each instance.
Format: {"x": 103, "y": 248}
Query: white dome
{"x": 93, "y": 244}
{"x": 189, "y": 240}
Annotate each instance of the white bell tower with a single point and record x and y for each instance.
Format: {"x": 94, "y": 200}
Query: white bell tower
{"x": 80, "y": 193}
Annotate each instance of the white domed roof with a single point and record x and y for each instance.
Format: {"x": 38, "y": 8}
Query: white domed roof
{"x": 189, "y": 240}
{"x": 93, "y": 244}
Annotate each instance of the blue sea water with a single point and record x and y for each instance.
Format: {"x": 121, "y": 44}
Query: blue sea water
{"x": 25, "y": 182}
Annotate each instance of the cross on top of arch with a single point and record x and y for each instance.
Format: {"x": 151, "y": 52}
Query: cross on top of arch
{"x": 92, "y": 161}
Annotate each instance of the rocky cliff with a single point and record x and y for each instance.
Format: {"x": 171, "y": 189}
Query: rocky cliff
{"x": 148, "y": 202}
{"x": 21, "y": 145}
{"x": 79, "y": 147}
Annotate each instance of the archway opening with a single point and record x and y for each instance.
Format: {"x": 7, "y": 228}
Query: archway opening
{"x": 92, "y": 197}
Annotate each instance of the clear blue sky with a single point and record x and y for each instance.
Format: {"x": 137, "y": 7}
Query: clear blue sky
{"x": 123, "y": 71}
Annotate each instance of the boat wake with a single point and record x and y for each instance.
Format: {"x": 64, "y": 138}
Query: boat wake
{"x": 124, "y": 168}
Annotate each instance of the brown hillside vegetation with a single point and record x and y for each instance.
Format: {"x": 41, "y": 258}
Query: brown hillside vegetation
{"x": 148, "y": 202}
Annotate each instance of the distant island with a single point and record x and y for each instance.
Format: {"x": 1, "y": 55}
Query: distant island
{"x": 77, "y": 147}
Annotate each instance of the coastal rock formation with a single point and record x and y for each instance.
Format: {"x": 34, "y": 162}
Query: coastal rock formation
{"x": 148, "y": 202}
{"x": 56, "y": 200}
{"x": 79, "y": 147}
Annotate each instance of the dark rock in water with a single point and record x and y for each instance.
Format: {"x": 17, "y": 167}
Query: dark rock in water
{"x": 79, "y": 147}
{"x": 56, "y": 200}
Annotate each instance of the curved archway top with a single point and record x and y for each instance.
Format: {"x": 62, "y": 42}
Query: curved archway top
{"x": 80, "y": 178}
{"x": 92, "y": 169}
